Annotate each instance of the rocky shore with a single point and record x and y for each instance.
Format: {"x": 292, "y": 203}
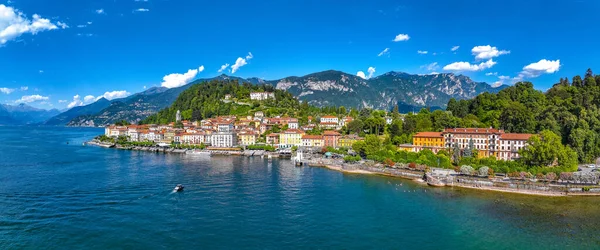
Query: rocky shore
{"x": 449, "y": 178}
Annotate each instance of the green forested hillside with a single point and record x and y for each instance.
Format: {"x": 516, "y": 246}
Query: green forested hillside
{"x": 207, "y": 99}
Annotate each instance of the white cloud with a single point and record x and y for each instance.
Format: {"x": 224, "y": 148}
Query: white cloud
{"x": 240, "y": 62}
{"x": 386, "y": 51}
{"x": 501, "y": 81}
{"x": 361, "y": 74}
{"x": 41, "y": 71}
{"x": 142, "y": 10}
{"x": 89, "y": 23}
{"x": 109, "y": 95}
{"x": 543, "y": 66}
{"x": 201, "y": 68}
{"x": 24, "y": 88}
{"x": 32, "y": 98}
{"x": 76, "y": 102}
{"x": 7, "y": 90}
{"x": 100, "y": 11}
{"x": 88, "y": 98}
{"x": 223, "y": 67}
{"x": 491, "y": 74}
{"x": 487, "y": 52}
{"x": 176, "y": 80}
{"x": 422, "y": 52}
{"x": 455, "y": 48}
{"x": 81, "y": 26}
{"x": 370, "y": 70}
{"x": 401, "y": 37}
{"x": 14, "y": 23}
{"x": 538, "y": 68}
{"x": 431, "y": 67}
{"x": 465, "y": 66}
{"x": 113, "y": 95}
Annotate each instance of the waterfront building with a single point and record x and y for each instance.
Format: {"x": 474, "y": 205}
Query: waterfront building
{"x": 115, "y": 131}
{"x": 433, "y": 141}
{"x": 194, "y": 138}
{"x": 484, "y": 140}
{"x": 290, "y": 138}
{"x": 259, "y": 96}
{"x": 331, "y": 138}
{"x": 510, "y": 144}
{"x": 346, "y": 141}
{"x": 313, "y": 141}
{"x": 273, "y": 138}
{"x": 224, "y": 137}
{"x": 133, "y": 133}
{"x": 247, "y": 137}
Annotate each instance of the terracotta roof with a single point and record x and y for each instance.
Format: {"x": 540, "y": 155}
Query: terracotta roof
{"x": 473, "y": 130}
{"x": 312, "y": 137}
{"x": 514, "y": 136}
{"x": 428, "y": 134}
{"x": 293, "y": 131}
{"x": 328, "y": 116}
{"x": 331, "y": 133}
{"x": 329, "y": 123}
{"x": 273, "y": 134}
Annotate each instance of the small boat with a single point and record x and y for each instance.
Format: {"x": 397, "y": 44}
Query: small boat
{"x": 178, "y": 188}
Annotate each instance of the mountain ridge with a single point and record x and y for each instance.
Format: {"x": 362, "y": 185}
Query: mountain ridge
{"x": 325, "y": 88}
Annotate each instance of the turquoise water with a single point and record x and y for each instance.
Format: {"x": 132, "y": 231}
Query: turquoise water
{"x": 68, "y": 196}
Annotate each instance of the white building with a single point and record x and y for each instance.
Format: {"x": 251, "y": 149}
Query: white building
{"x": 133, "y": 133}
{"x": 224, "y": 137}
{"x": 510, "y": 144}
{"x": 259, "y": 96}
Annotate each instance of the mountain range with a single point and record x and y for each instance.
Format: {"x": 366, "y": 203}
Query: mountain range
{"x": 23, "y": 114}
{"x": 328, "y": 88}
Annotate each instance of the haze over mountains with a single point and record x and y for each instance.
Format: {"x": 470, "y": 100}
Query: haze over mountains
{"x": 410, "y": 92}
{"x": 23, "y": 114}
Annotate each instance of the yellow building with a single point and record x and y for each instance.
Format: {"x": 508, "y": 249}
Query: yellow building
{"x": 247, "y": 138}
{"x": 433, "y": 141}
{"x": 428, "y": 139}
{"x": 313, "y": 141}
{"x": 347, "y": 140}
{"x": 290, "y": 138}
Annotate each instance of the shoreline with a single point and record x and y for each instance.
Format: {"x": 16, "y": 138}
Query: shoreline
{"x": 406, "y": 175}
{"x": 480, "y": 188}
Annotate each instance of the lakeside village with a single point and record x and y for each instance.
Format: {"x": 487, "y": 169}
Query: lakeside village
{"x": 320, "y": 142}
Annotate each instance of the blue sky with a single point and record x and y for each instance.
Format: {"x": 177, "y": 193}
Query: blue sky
{"x": 58, "y": 54}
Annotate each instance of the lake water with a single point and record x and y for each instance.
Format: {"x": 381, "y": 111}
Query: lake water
{"x": 68, "y": 196}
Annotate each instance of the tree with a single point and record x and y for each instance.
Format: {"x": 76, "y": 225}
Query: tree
{"x": 395, "y": 130}
{"x": 372, "y": 144}
{"x": 466, "y": 170}
{"x": 546, "y": 149}
{"x": 468, "y": 152}
{"x": 355, "y": 126}
{"x": 483, "y": 171}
